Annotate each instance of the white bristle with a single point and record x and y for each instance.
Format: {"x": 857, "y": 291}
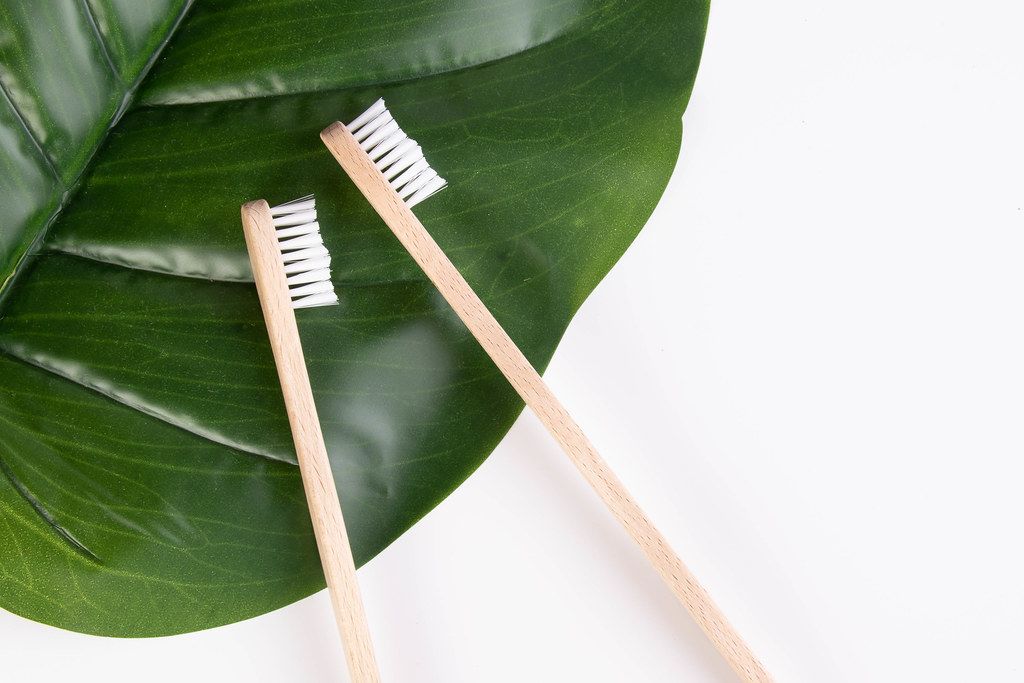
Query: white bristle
{"x": 312, "y": 288}
{"x": 379, "y": 135}
{"x": 297, "y": 230}
{"x": 297, "y": 218}
{"x": 373, "y": 124}
{"x": 306, "y": 276}
{"x": 305, "y": 259}
{"x": 313, "y": 239}
{"x": 407, "y": 175}
{"x": 302, "y": 254}
{"x": 395, "y": 154}
{"x": 405, "y": 161}
{"x": 302, "y": 204}
{"x": 436, "y": 184}
{"x": 308, "y": 264}
{"x": 419, "y": 181}
{"x": 315, "y": 300}
{"x": 376, "y": 108}
{"x": 389, "y": 144}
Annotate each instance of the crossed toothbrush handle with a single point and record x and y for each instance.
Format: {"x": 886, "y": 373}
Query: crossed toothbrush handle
{"x": 314, "y": 465}
{"x": 535, "y": 392}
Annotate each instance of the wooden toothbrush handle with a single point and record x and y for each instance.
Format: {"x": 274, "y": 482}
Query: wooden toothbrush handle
{"x": 527, "y": 381}
{"x": 321, "y": 494}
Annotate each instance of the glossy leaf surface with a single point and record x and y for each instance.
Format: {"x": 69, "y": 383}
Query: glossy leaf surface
{"x": 147, "y": 478}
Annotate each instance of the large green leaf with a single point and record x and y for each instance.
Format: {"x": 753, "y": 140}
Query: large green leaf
{"x": 147, "y": 479}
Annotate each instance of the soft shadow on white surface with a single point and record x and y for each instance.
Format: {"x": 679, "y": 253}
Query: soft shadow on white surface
{"x": 808, "y": 369}
{"x": 541, "y": 585}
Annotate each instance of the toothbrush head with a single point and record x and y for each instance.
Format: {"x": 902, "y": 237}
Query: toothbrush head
{"x": 397, "y": 156}
{"x": 305, "y": 258}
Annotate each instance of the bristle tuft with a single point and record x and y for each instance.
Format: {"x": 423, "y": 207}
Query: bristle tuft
{"x": 303, "y": 253}
{"x": 395, "y": 154}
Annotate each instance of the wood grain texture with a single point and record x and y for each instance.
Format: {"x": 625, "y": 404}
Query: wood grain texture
{"x": 321, "y": 494}
{"x": 528, "y": 382}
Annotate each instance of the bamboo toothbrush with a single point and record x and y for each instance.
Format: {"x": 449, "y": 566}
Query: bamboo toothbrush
{"x": 291, "y": 267}
{"x": 389, "y": 169}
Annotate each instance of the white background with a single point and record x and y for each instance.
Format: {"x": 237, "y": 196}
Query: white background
{"x": 809, "y": 369}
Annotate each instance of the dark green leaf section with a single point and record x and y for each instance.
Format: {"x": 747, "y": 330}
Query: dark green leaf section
{"x": 240, "y": 49}
{"x": 57, "y": 73}
{"x": 66, "y": 69}
{"x": 135, "y": 320}
{"x": 191, "y": 356}
{"x": 133, "y": 31}
{"x": 28, "y": 186}
{"x": 169, "y": 528}
{"x": 388, "y": 369}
